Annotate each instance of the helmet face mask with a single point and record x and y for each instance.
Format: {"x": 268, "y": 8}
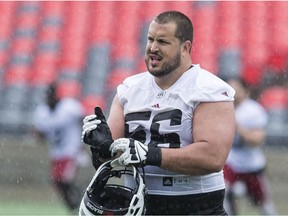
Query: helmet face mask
{"x": 116, "y": 190}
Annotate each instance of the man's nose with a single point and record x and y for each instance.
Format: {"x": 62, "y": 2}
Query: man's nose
{"x": 154, "y": 47}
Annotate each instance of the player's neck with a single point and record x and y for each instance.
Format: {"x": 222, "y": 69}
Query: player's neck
{"x": 167, "y": 81}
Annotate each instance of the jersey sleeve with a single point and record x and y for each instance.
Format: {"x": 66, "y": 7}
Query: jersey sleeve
{"x": 69, "y": 111}
{"x": 210, "y": 88}
{"x": 123, "y": 90}
{"x": 204, "y": 86}
{"x": 40, "y": 117}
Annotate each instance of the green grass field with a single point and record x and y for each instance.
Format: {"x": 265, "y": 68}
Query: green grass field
{"x": 30, "y": 200}
{"x": 31, "y": 208}
{"x": 25, "y": 188}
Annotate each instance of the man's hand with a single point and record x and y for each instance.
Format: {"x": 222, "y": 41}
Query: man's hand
{"x": 135, "y": 152}
{"x": 97, "y": 134}
{"x": 90, "y": 123}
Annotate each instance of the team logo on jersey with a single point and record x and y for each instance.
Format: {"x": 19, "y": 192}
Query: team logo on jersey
{"x": 161, "y": 94}
{"x": 156, "y": 106}
{"x": 225, "y": 93}
{"x": 167, "y": 181}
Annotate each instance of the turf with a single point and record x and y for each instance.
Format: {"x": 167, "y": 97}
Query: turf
{"x": 25, "y": 188}
{"x": 31, "y": 208}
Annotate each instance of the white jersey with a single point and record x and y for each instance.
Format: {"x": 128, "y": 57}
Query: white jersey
{"x": 62, "y": 127}
{"x": 244, "y": 157}
{"x": 164, "y": 118}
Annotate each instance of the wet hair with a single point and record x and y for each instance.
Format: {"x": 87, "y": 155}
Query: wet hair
{"x": 51, "y": 95}
{"x": 184, "y": 30}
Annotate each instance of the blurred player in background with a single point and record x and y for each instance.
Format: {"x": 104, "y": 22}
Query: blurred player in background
{"x": 59, "y": 121}
{"x": 246, "y": 162}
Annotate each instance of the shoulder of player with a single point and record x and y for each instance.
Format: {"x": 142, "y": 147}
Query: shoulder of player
{"x": 70, "y": 104}
{"x": 198, "y": 79}
{"x": 201, "y": 85}
{"x": 68, "y": 101}
{"x": 136, "y": 79}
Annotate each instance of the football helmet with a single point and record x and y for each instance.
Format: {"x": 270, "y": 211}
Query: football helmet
{"x": 117, "y": 190}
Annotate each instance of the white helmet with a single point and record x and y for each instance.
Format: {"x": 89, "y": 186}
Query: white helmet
{"x": 118, "y": 190}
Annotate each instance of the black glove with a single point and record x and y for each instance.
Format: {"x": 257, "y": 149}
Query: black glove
{"x": 97, "y": 134}
{"x": 96, "y": 162}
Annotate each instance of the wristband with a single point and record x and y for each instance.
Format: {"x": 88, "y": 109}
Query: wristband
{"x": 154, "y": 156}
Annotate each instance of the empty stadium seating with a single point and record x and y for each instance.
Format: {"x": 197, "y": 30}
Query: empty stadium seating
{"x": 8, "y": 9}
{"x": 204, "y": 49}
{"x": 229, "y": 36}
{"x": 90, "y": 47}
{"x": 277, "y": 21}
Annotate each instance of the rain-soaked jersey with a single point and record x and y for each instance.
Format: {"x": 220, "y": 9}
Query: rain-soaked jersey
{"x": 164, "y": 118}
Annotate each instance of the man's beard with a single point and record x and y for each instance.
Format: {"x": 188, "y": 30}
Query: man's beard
{"x": 168, "y": 67}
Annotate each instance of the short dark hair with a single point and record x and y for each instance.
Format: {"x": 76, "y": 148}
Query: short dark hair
{"x": 184, "y": 30}
{"x": 51, "y": 95}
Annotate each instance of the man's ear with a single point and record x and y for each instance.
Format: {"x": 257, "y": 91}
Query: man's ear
{"x": 187, "y": 46}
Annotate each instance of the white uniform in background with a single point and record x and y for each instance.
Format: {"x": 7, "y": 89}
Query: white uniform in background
{"x": 62, "y": 127}
{"x": 244, "y": 158}
{"x": 245, "y": 165}
{"x": 164, "y": 118}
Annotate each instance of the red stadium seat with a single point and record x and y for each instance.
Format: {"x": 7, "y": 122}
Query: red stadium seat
{"x": 277, "y": 62}
{"x": 7, "y": 7}
{"x": 46, "y": 58}
{"x": 3, "y": 58}
{"x": 204, "y": 48}
{"x": 43, "y": 76}
{"x": 151, "y": 8}
{"x": 45, "y": 61}
{"x": 7, "y": 11}
{"x": 53, "y": 8}
{"x": 77, "y": 17}
{"x": 27, "y": 20}
{"x": 277, "y": 18}
{"x": 255, "y": 47}
{"x": 102, "y": 22}
{"x": 185, "y": 7}
{"x": 275, "y": 97}
{"x": 229, "y": 28}
{"x": 44, "y": 69}
{"x": 16, "y": 74}
{"x": 89, "y": 102}
{"x": 23, "y": 45}
{"x": 117, "y": 76}
{"x": 73, "y": 57}
{"x": 127, "y": 18}
{"x": 69, "y": 89}
{"x": 50, "y": 33}
{"x": 141, "y": 66}
{"x": 252, "y": 74}
{"x": 28, "y": 15}
{"x": 74, "y": 43}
